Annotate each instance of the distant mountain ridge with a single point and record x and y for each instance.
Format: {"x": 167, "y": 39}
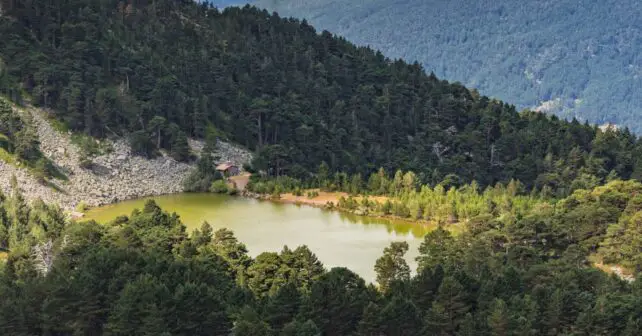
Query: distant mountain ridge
{"x": 225, "y": 3}
{"x": 573, "y": 58}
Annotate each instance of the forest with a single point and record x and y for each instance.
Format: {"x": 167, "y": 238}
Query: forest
{"x": 555, "y": 55}
{"x": 143, "y": 274}
{"x": 541, "y": 199}
{"x": 599, "y": 218}
{"x": 161, "y": 71}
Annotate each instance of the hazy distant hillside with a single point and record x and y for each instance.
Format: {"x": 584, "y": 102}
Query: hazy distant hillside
{"x": 225, "y": 3}
{"x": 531, "y": 52}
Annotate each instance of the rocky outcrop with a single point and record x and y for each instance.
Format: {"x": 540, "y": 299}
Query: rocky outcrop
{"x": 118, "y": 175}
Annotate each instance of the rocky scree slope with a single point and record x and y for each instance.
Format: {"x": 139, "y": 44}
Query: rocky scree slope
{"x": 115, "y": 176}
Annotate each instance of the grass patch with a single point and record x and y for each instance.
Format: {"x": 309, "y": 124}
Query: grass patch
{"x": 82, "y": 207}
{"x": 7, "y": 157}
{"x": 58, "y": 125}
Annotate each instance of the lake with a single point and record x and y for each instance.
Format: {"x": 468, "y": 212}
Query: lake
{"x": 338, "y": 239}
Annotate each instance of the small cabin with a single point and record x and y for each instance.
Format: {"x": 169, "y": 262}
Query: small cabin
{"x": 228, "y": 169}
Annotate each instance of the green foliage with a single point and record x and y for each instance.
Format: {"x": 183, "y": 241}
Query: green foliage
{"x": 392, "y": 266}
{"x": 82, "y": 206}
{"x": 219, "y": 187}
{"x": 142, "y": 275}
{"x": 296, "y": 328}
{"x": 277, "y": 185}
{"x": 249, "y": 323}
{"x": 204, "y": 175}
{"x": 90, "y": 147}
{"x": 307, "y": 103}
{"x": 153, "y": 71}
{"x": 580, "y": 72}
{"x": 336, "y": 302}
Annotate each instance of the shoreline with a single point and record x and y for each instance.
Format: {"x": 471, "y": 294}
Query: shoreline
{"x": 290, "y": 199}
{"x": 114, "y": 174}
{"x": 332, "y": 197}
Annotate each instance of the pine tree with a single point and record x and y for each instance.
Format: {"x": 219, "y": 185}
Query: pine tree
{"x": 499, "y": 319}
{"x": 467, "y": 327}
{"x": 283, "y": 306}
{"x": 370, "y": 324}
{"x": 553, "y": 312}
{"x": 297, "y": 328}
{"x": 392, "y": 266}
{"x": 180, "y": 147}
{"x": 400, "y": 318}
{"x": 438, "y": 248}
{"x": 452, "y": 299}
{"x": 249, "y": 323}
{"x": 438, "y": 322}
{"x": 154, "y": 323}
{"x": 337, "y": 301}
{"x": 633, "y": 327}
{"x": 424, "y": 287}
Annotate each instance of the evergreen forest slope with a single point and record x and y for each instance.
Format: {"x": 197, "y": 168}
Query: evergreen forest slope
{"x": 161, "y": 71}
{"x": 574, "y": 58}
{"x": 314, "y": 107}
{"x": 516, "y": 274}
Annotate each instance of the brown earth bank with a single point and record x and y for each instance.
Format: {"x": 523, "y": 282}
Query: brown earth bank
{"x": 324, "y": 197}
{"x": 330, "y": 200}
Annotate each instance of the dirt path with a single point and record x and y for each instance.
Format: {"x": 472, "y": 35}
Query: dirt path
{"x": 325, "y": 197}
{"x": 241, "y": 181}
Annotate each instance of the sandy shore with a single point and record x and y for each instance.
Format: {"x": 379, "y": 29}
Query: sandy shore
{"x": 325, "y": 197}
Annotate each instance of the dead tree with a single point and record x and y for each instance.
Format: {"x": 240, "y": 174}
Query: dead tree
{"x": 439, "y": 150}
{"x": 43, "y": 255}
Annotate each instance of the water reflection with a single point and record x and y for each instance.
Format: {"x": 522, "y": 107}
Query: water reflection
{"x": 338, "y": 239}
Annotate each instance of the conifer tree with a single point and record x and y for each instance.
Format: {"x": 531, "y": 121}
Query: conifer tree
{"x": 392, "y": 266}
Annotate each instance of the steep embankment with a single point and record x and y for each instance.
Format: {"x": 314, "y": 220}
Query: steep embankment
{"x": 117, "y": 175}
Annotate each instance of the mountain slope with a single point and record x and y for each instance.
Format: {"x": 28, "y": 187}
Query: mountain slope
{"x": 166, "y": 70}
{"x": 574, "y": 58}
{"x": 114, "y": 175}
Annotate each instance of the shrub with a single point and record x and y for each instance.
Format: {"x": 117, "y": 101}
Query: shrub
{"x": 82, "y": 206}
{"x": 297, "y": 192}
{"x": 219, "y": 187}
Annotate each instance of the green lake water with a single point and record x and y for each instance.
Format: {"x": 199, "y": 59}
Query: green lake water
{"x": 338, "y": 239}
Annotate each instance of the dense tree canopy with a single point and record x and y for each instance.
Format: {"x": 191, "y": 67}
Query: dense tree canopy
{"x": 161, "y": 70}
{"x": 319, "y": 112}
{"x": 143, "y": 275}
{"x": 551, "y": 54}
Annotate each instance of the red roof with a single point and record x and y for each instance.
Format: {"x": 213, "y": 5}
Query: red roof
{"x": 225, "y": 166}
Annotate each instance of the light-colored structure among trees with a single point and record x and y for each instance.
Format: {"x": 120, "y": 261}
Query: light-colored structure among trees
{"x": 228, "y": 169}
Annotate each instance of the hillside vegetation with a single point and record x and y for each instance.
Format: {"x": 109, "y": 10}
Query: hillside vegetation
{"x": 319, "y": 112}
{"x": 516, "y": 274}
{"x": 159, "y": 71}
{"x": 575, "y": 58}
